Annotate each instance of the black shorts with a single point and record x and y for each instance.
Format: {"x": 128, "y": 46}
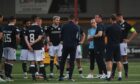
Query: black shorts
{"x": 113, "y": 52}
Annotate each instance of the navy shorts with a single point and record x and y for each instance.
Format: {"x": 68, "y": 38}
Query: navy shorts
{"x": 113, "y": 53}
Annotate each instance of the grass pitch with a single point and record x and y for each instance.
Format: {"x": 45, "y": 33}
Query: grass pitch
{"x": 134, "y": 76}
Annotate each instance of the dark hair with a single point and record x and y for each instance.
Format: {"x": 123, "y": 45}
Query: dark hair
{"x": 76, "y": 19}
{"x": 34, "y": 17}
{"x": 1, "y": 16}
{"x": 26, "y": 20}
{"x": 113, "y": 17}
{"x": 99, "y": 15}
{"x": 11, "y": 18}
{"x": 71, "y": 17}
{"x": 119, "y": 14}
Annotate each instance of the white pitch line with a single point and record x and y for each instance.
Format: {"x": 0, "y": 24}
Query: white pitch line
{"x": 78, "y": 74}
{"x": 129, "y": 66}
{"x": 108, "y": 82}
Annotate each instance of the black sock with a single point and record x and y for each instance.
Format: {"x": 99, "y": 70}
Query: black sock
{"x": 67, "y": 70}
{"x": 51, "y": 64}
{"x": 80, "y": 70}
{"x": 33, "y": 71}
{"x": 36, "y": 68}
{"x": 24, "y": 67}
{"x": 114, "y": 69}
{"x": 125, "y": 65}
{"x": 57, "y": 66}
{"x": 8, "y": 70}
{"x": 42, "y": 71}
{"x": 1, "y": 76}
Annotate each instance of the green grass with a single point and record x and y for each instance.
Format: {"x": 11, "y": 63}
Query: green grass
{"x": 134, "y": 76}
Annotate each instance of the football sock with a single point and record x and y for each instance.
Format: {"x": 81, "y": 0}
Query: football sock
{"x": 57, "y": 66}
{"x": 114, "y": 69}
{"x": 80, "y": 70}
{"x": 8, "y": 69}
{"x": 125, "y": 65}
{"x": 120, "y": 74}
{"x": 67, "y": 70}
{"x": 108, "y": 74}
{"x": 42, "y": 71}
{"x": 33, "y": 71}
{"x": 51, "y": 64}
{"x": 24, "y": 67}
{"x": 36, "y": 68}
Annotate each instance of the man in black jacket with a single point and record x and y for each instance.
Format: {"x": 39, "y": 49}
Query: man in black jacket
{"x": 70, "y": 35}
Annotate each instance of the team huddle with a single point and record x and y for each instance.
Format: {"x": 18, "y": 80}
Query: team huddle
{"x": 65, "y": 43}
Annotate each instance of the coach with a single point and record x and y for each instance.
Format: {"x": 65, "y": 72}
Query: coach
{"x": 70, "y": 35}
{"x": 99, "y": 46}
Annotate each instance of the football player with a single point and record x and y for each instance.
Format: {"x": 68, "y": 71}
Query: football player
{"x": 24, "y": 48}
{"x": 11, "y": 38}
{"x": 54, "y": 39}
{"x": 34, "y": 42}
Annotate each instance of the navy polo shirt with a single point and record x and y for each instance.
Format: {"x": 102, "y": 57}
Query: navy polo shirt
{"x": 99, "y": 43}
{"x": 113, "y": 33}
{"x": 70, "y": 34}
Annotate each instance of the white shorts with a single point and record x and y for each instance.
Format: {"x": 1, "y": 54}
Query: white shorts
{"x": 43, "y": 52}
{"x": 55, "y": 50}
{"x": 9, "y": 53}
{"x": 35, "y": 56}
{"x": 78, "y": 52}
{"x": 123, "y": 49}
{"x": 24, "y": 54}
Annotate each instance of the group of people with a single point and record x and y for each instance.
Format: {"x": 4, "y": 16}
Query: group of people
{"x": 65, "y": 42}
{"x": 108, "y": 46}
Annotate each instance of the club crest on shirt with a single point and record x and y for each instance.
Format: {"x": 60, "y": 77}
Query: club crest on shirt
{"x": 17, "y": 30}
{"x": 58, "y": 28}
{"x": 41, "y": 30}
{"x": 122, "y": 28}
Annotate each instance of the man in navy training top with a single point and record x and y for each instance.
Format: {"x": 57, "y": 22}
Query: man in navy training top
{"x": 70, "y": 38}
{"x": 113, "y": 33}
